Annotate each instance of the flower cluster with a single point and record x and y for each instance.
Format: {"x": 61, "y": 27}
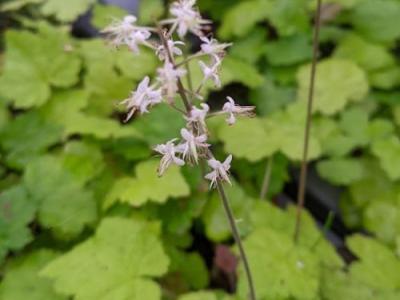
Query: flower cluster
{"x": 192, "y": 146}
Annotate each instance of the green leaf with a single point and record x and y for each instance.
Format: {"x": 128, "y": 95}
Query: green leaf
{"x": 340, "y": 285}
{"x": 83, "y": 160}
{"x": 368, "y": 55}
{"x": 136, "y": 66}
{"x": 16, "y": 212}
{"x": 235, "y": 70}
{"x": 286, "y": 129}
{"x": 383, "y": 219}
{"x": 251, "y": 47}
{"x": 4, "y": 115}
{"x": 289, "y": 16}
{"x": 281, "y": 131}
{"x": 28, "y": 136}
{"x": 21, "y": 280}
{"x": 258, "y": 143}
{"x": 385, "y": 79}
{"x": 153, "y": 125}
{"x": 202, "y": 295}
{"x": 289, "y": 50}
{"x": 205, "y": 295}
{"x": 191, "y": 267}
{"x": 107, "y": 88}
{"x": 177, "y": 214}
{"x": 380, "y": 129}
{"x": 13, "y": 5}
{"x": 119, "y": 262}
{"x": 147, "y": 186}
{"x": 150, "y": 11}
{"x": 378, "y": 266}
{"x": 388, "y": 152}
{"x": 338, "y": 83}
{"x": 104, "y": 15}
{"x": 385, "y": 15}
{"x": 267, "y": 215}
{"x": 130, "y": 148}
{"x": 270, "y": 97}
{"x": 235, "y": 24}
{"x": 280, "y": 269}
{"x": 333, "y": 140}
{"x": 66, "y": 11}
{"x": 65, "y": 109}
{"x": 64, "y": 206}
{"x": 354, "y": 123}
{"x": 214, "y": 217}
{"x": 34, "y": 62}
{"x": 374, "y": 185}
{"x": 341, "y": 171}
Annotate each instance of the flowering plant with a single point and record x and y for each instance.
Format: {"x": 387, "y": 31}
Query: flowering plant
{"x": 192, "y": 147}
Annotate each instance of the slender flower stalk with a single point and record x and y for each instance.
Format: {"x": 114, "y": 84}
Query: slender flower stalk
{"x": 303, "y": 172}
{"x": 192, "y": 146}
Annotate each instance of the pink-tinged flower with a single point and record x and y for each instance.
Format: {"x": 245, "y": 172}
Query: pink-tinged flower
{"x": 234, "y": 110}
{"x": 192, "y": 144}
{"x": 186, "y": 18}
{"x": 137, "y": 38}
{"x": 213, "y": 47}
{"x": 211, "y": 72}
{"x": 126, "y": 33}
{"x": 219, "y": 170}
{"x": 172, "y": 48}
{"x": 142, "y": 98}
{"x": 168, "y": 77}
{"x": 168, "y": 151}
{"x": 198, "y": 115}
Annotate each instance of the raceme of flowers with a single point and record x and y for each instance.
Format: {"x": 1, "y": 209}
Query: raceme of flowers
{"x": 168, "y": 84}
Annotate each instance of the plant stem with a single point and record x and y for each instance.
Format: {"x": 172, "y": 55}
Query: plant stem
{"x": 303, "y": 172}
{"x": 237, "y": 238}
{"x": 267, "y": 178}
{"x": 181, "y": 89}
{"x": 228, "y": 210}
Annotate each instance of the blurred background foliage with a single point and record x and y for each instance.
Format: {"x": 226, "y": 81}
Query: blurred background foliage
{"x": 83, "y": 214}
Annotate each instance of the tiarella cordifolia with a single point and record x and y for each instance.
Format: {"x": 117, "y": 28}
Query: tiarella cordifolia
{"x": 192, "y": 146}
{"x": 165, "y": 39}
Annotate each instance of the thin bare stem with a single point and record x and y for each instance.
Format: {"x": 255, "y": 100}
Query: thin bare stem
{"x": 267, "y": 178}
{"x": 303, "y": 172}
{"x": 237, "y": 238}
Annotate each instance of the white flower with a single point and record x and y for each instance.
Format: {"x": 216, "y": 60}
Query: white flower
{"x": 168, "y": 152}
{"x": 126, "y": 33}
{"x": 172, "y": 48}
{"x": 187, "y": 18}
{"x": 211, "y": 72}
{"x": 142, "y": 98}
{"x": 192, "y": 142}
{"x": 233, "y": 110}
{"x": 168, "y": 77}
{"x": 213, "y": 47}
{"x": 198, "y": 115}
{"x": 137, "y": 38}
{"x": 219, "y": 170}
